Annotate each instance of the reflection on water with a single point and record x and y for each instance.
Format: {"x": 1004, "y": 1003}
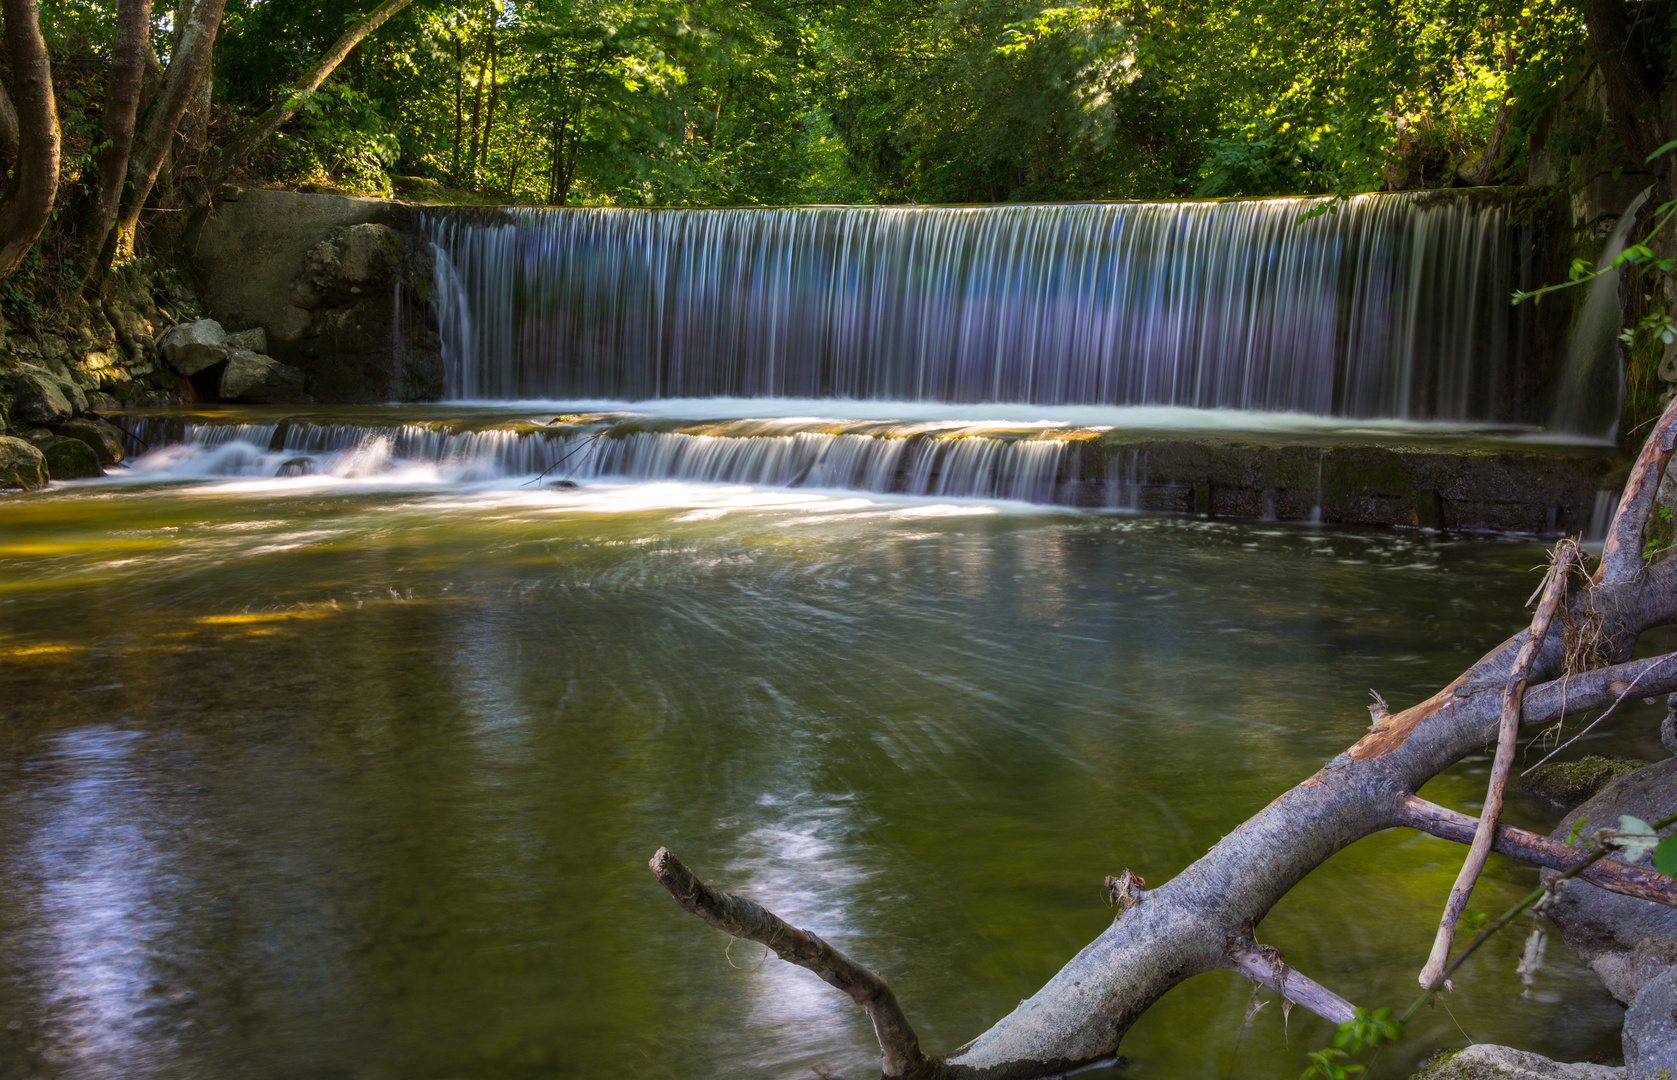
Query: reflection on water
{"x": 308, "y": 780}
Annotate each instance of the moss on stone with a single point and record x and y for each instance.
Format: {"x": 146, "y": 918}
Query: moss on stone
{"x": 1569, "y": 783}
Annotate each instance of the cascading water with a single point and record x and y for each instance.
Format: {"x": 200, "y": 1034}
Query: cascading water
{"x": 1592, "y": 384}
{"x": 1027, "y": 470}
{"x": 1389, "y": 306}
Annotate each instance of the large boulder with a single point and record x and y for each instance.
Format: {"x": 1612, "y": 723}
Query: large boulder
{"x": 68, "y": 459}
{"x": 252, "y": 377}
{"x": 342, "y": 269}
{"x": 36, "y": 397}
{"x": 254, "y": 339}
{"x": 1487, "y": 1061}
{"x": 105, "y": 438}
{"x": 21, "y": 465}
{"x": 190, "y": 347}
{"x": 1625, "y": 940}
{"x": 1650, "y": 1036}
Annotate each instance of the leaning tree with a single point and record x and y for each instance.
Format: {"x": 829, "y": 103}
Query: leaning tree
{"x": 1574, "y": 657}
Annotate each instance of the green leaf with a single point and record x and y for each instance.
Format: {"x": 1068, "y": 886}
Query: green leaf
{"x": 1577, "y": 827}
{"x": 1666, "y": 149}
{"x": 1665, "y": 857}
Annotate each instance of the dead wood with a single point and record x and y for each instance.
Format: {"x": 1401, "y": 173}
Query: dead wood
{"x": 1185, "y": 927}
{"x": 1610, "y": 874}
{"x": 1508, "y": 736}
{"x": 745, "y": 919}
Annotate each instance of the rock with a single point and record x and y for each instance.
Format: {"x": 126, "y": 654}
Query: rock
{"x": 1487, "y": 1061}
{"x": 37, "y": 398}
{"x": 260, "y": 379}
{"x": 1625, "y": 940}
{"x": 1650, "y": 1036}
{"x": 191, "y": 347}
{"x": 104, "y": 438}
{"x": 1569, "y": 783}
{"x": 21, "y": 465}
{"x": 345, "y": 266}
{"x": 69, "y": 459}
{"x": 254, "y": 339}
{"x": 73, "y": 393}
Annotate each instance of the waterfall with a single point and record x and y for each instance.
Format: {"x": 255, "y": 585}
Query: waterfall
{"x": 1592, "y": 384}
{"x": 1027, "y": 470}
{"x": 1389, "y": 306}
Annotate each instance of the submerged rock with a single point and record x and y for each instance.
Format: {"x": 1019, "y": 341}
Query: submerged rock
{"x": 37, "y": 398}
{"x": 1487, "y": 1061}
{"x": 190, "y": 347}
{"x": 1650, "y": 1036}
{"x": 260, "y": 379}
{"x": 21, "y": 465}
{"x": 1625, "y": 940}
{"x": 1571, "y": 782}
{"x": 69, "y": 459}
{"x": 105, "y": 438}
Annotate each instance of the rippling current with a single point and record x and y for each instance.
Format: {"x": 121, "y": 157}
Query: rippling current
{"x": 306, "y": 777}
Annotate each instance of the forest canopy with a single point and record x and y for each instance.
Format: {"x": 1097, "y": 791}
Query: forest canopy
{"x": 650, "y": 102}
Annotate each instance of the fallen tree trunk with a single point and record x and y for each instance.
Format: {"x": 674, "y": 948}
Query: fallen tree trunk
{"x": 1203, "y": 919}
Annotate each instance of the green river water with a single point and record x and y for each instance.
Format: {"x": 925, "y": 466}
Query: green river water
{"x": 316, "y": 779}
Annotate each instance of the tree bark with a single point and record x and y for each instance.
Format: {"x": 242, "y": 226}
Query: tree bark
{"x": 187, "y": 65}
{"x": 1193, "y": 923}
{"x": 122, "y": 104}
{"x": 34, "y": 182}
{"x": 1632, "y": 90}
{"x": 8, "y": 126}
{"x": 253, "y": 135}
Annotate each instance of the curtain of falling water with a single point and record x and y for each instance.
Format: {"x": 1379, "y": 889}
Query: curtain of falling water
{"x": 1383, "y": 306}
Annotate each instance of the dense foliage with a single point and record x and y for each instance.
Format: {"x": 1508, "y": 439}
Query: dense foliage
{"x": 779, "y": 101}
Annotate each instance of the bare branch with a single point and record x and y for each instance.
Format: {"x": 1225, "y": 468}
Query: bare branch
{"x": 744, "y": 919}
{"x": 1612, "y": 875}
{"x": 1598, "y": 688}
{"x": 1264, "y": 966}
{"x": 1508, "y": 737}
{"x": 1621, "y": 555}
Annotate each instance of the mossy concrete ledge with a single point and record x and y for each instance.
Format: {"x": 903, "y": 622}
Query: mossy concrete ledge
{"x": 1499, "y": 489}
{"x": 1486, "y": 1061}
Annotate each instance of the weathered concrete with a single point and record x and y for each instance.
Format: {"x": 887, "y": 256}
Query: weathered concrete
{"x": 338, "y": 286}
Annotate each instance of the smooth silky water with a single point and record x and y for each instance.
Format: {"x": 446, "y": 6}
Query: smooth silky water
{"x": 357, "y": 776}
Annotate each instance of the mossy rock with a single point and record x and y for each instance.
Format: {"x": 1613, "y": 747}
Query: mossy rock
{"x": 21, "y": 465}
{"x": 1568, "y": 783}
{"x": 69, "y": 459}
{"x": 104, "y": 438}
{"x": 1485, "y": 1061}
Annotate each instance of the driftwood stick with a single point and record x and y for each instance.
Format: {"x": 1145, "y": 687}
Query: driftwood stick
{"x": 1265, "y": 967}
{"x": 1621, "y": 555}
{"x": 1641, "y": 882}
{"x": 745, "y": 919}
{"x": 1508, "y": 737}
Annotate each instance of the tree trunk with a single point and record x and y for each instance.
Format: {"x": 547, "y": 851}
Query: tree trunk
{"x": 494, "y": 95}
{"x": 187, "y": 65}
{"x": 34, "y": 182}
{"x": 1632, "y": 90}
{"x": 253, "y": 135}
{"x": 122, "y": 105}
{"x": 459, "y": 108}
{"x": 8, "y": 127}
{"x": 1203, "y": 919}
